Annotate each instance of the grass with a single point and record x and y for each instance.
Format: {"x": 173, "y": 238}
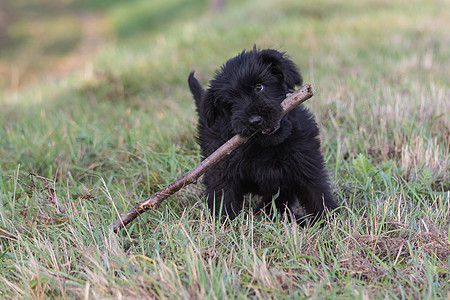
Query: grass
{"x": 79, "y": 150}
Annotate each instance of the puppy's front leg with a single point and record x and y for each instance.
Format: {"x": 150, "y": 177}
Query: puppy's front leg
{"x": 285, "y": 198}
{"x": 315, "y": 198}
{"x": 223, "y": 201}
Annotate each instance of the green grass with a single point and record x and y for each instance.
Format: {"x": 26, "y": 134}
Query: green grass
{"x": 77, "y": 151}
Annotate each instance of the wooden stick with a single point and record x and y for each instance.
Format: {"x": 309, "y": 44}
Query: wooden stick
{"x": 291, "y": 101}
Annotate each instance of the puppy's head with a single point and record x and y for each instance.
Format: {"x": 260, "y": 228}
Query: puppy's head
{"x": 247, "y": 93}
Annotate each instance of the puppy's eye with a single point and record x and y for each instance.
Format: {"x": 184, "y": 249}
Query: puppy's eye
{"x": 259, "y": 87}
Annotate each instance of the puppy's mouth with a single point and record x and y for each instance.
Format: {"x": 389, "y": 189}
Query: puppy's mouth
{"x": 271, "y": 130}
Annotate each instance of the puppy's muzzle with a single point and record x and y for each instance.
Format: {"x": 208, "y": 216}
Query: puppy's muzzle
{"x": 271, "y": 130}
{"x": 258, "y": 121}
{"x": 255, "y": 120}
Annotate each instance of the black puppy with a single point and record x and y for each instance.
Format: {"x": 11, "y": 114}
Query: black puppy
{"x": 283, "y": 160}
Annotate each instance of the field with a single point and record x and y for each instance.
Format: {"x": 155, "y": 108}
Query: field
{"x": 98, "y": 120}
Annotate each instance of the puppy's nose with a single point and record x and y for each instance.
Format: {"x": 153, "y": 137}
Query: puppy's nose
{"x": 255, "y": 120}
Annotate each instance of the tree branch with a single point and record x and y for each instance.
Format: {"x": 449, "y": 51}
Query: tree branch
{"x": 291, "y": 101}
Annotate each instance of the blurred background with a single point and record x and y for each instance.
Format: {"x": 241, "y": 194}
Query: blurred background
{"x": 53, "y": 37}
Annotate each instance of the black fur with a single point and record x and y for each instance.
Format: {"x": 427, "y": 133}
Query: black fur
{"x": 282, "y": 159}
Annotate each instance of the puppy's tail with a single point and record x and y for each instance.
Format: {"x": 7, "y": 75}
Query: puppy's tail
{"x": 196, "y": 89}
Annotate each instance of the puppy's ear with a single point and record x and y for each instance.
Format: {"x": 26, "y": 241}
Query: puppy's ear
{"x": 210, "y": 108}
{"x": 207, "y": 104}
{"x": 281, "y": 64}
